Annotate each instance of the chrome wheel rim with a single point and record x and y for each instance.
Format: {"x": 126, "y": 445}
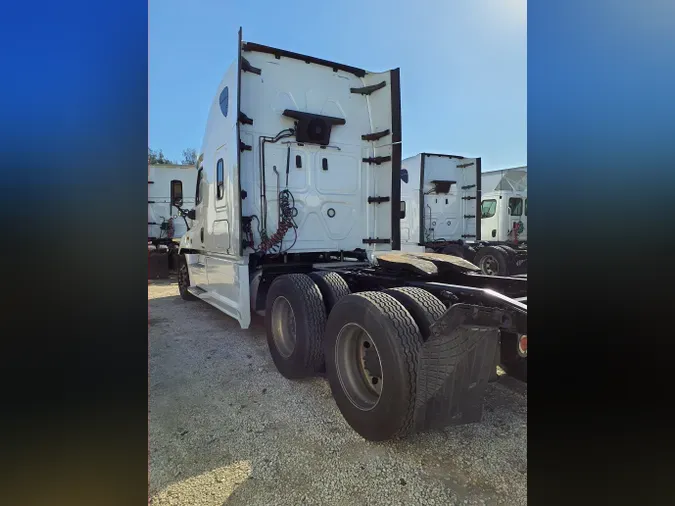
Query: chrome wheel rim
{"x": 489, "y": 265}
{"x": 283, "y": 326}
{"x": 359, "y": 366}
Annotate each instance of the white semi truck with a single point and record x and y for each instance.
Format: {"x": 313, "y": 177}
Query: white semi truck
{"x": 170, "y": 187}
{"x": 297, "y": 218}
{"x": 504, "y": 205}
{"x": 168, "y": 184}
{"x": 446, "y": 209}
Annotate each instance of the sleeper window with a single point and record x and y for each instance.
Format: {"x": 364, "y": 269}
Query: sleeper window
{"x": 220, "y": 180}
{"x": 198, "y": 192}
{"x": 224, "y": 99}
{"x": 177, "y": 192}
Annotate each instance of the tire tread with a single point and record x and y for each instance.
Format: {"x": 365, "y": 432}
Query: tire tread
{"x": 407, "y": 333}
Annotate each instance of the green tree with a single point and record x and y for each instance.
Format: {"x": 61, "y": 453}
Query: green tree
{"x": 189, "y": 156}
{"x": 157, "y": 158}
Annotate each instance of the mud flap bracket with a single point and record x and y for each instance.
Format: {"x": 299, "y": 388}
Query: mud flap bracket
{"x": 455, "y": 364}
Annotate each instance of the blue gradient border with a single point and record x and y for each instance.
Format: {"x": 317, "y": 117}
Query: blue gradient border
{"x": 73, "y": 147}
{"x": 601, "y": 163}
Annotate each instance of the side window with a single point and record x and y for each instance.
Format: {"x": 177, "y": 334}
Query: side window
{"x": 488, "y": 208}
{"x": 224, "y": 99}
{"x": 198, "y": 192}
{"x": 404, "y": 175}
{"x": 516, "y": 206}
{"x": 220, "y": 180}
{"x": 403, "y": 209}
{"x": 525, "y": 207}
{"x": 177, "y": 192}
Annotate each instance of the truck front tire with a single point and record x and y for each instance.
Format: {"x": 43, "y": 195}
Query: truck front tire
{"x": 295, "y": 318}
{"x": 372, "y": 346}
{"x": 184, "y": 280}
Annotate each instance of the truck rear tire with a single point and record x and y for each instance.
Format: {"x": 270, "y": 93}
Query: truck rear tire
{"x": 492, "y": 261}
{"x": 372, "y": 346}
{"x": 184, "y": 280}
{"x": 295, "y": 318}
{"x": 423, "y": 306}
{"x": 508, "y": 249}
{"x": 333, "y": 287}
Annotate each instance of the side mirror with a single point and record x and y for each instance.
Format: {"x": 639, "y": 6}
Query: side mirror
{"x": 177, "y": 193}
{"x": 192, "y": 214}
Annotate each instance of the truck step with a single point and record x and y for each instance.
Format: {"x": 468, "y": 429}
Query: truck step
{"x": 196, "y": 291}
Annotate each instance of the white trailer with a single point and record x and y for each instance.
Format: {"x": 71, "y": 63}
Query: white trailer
{"x": 443, "y": 212}
{"x": 297, "y": 218}
{"x": 169, "y": 185}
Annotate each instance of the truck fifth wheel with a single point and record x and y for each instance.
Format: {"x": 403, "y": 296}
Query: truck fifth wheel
{"x": 297, "y": 218}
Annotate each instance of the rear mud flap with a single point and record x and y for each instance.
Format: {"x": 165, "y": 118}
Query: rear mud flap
{"x": 455, "y": 365}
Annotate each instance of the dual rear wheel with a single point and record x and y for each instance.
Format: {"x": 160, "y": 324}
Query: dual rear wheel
{"x": 368, "y": 343}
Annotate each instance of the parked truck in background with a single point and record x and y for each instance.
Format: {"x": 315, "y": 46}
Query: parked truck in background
{"x": 170, "y": 188}
{"x": 445, "y": 209}
{"x": 168, "y": 184}
{"x": 504, "y": 205}
{"x": 297, "y": 218}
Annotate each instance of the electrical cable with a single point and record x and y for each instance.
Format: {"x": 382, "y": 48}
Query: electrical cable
{"x": 286, "y": 222}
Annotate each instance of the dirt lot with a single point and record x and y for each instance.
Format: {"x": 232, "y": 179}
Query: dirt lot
{"x": 226, "y": 429}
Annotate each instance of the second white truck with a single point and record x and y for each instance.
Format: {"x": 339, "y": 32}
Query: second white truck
{"x": 445, "y": 208}
{"x": 169, "y": 185}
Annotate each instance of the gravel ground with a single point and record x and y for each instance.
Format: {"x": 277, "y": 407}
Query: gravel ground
{"x": 226, "y": 429}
